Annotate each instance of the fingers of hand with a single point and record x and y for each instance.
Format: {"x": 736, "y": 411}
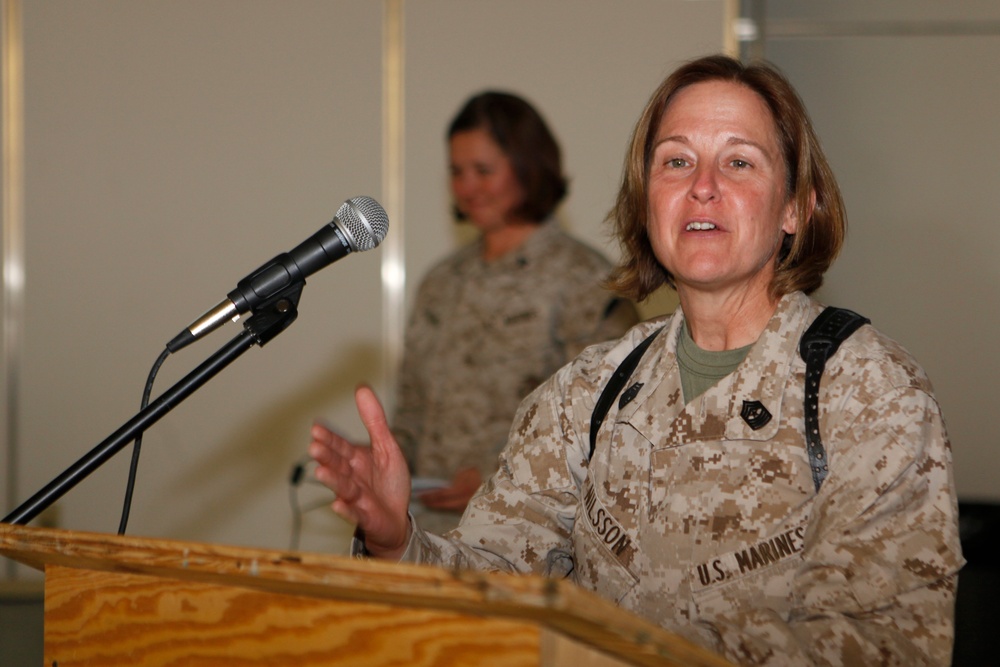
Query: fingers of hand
{"x": 345, "y": 510}
{"x": 326, "y": 443}
{"x": 447, "y": 505}
{"x": 451, "y": 498}
{"x": 334, "y": 477}
{"x": 372, "y": 415}
{"x": 336, "y": 467}
{"x": 467, "y": 481}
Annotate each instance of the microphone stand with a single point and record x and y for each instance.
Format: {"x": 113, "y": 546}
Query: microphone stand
{"x": 268, "y": 320}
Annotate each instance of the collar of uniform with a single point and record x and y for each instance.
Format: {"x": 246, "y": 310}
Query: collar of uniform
{"x": 760, "y": 377}
{"x": 661, "y": 383}
{"x": 534, "y": 249}
{"x": 764, "y": 373}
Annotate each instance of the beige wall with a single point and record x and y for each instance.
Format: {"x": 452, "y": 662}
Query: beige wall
{"x": 905, "y": 96}
{"x": 171, "y": 147}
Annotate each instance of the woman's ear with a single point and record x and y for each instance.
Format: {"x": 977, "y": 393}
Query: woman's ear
{"x": 793, "y": 218}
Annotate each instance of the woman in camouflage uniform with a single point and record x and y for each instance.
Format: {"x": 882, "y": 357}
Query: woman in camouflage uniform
{"x": 497, "y": 317}
{"x": 693, "y": 510}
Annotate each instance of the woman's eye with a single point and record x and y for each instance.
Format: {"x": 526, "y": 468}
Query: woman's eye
{"x": 676, "y": 162}
{"x": 740, "y": 164}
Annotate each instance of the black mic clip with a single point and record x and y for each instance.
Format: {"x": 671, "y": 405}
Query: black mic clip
{"x": 275, "y": 314}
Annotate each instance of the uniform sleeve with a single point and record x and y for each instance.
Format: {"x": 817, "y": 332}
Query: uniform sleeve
{"x": 882, "y": 552}
{"x": 522, "y": 518}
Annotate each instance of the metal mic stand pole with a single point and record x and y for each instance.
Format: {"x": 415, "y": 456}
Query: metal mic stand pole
{"x": 270, "y": 319}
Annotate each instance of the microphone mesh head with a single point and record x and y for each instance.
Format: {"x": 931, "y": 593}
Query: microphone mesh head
{"x": 363, "y": 221}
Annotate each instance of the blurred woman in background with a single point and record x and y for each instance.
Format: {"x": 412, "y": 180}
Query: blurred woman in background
{"x": 498, "y": 316}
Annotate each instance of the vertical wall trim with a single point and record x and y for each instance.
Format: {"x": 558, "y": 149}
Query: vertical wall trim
{"x": 393, "y": 259}
{"x": 12, "y": 54}
{"x": 730, "y": 41}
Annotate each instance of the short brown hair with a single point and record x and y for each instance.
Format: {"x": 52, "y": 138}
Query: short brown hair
{"x": 806, "y": 255}
{"x": 525, "y": 138}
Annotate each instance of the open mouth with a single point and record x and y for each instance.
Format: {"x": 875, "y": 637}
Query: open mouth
{"x": 699, "y": 226}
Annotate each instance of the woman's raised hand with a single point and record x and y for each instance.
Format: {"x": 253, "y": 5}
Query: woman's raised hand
{"x": 372, "y": 483}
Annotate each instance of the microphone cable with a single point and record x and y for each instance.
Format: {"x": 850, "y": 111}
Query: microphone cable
{"x": 298, "y": 475}
{"x": 298, "y": 472}
{"x": 137, "y": 445}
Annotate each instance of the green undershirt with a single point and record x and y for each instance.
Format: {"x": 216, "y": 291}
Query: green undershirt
{"x": 701, "y": 369}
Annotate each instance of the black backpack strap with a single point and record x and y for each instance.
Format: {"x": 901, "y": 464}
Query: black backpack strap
{"x": 819, "y": 342}
{"x": 614, "y": 387}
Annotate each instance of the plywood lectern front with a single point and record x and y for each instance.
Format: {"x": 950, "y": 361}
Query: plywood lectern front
{"x": 112, "y": 600}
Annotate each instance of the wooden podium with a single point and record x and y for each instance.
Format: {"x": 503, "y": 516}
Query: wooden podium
{"x": 112, "y": 600}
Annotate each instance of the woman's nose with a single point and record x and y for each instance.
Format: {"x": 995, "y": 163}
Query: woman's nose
{"x": 462, "y": 184}
{"x": 705, "y": 183}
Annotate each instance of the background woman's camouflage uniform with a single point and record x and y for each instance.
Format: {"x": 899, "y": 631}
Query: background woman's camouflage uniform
{"x": 483, "y": 335}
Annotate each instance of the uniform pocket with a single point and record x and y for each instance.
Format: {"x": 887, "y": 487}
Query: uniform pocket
{"x": 757, "y": 575}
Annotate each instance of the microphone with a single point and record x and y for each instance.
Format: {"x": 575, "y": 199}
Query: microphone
{"x": 360, "y": 224}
